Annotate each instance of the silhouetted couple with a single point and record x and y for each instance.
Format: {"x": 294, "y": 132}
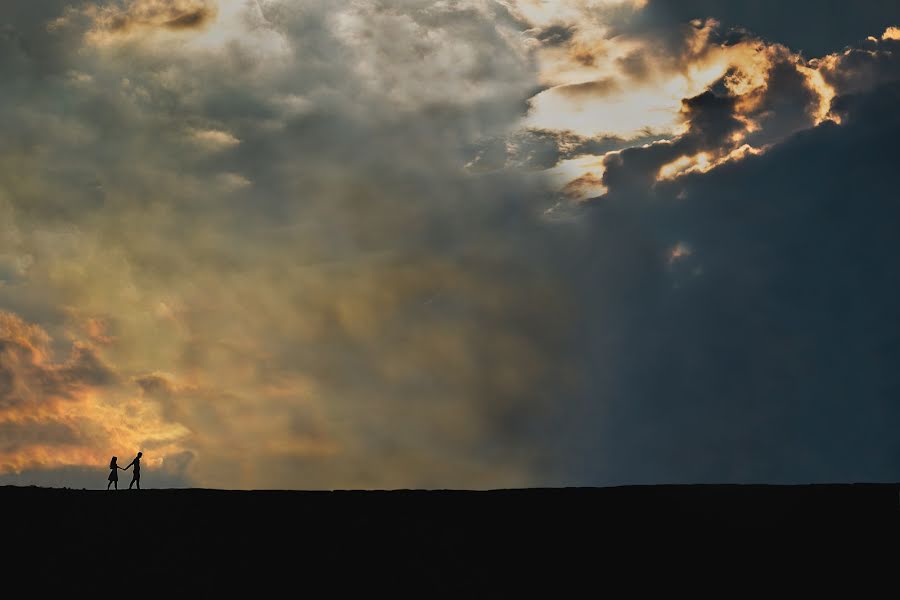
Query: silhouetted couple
{"x": 114, "y": 473}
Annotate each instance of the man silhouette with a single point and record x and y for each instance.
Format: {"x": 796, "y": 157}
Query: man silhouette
{"x": 136, "y": 478}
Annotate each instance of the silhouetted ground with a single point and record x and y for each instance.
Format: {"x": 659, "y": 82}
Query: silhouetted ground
{"x": 438, "y": 543}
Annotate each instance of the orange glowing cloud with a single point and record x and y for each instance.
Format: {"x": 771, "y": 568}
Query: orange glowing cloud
{"x": 704, "y": 162}
{"x": 626, "y": 87}
{"x": 70, "y": 413}
{"x": 585, "y": 186}
{"x": 110, "y": 22}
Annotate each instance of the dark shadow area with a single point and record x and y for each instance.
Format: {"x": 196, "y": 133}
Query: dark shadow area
{"x": 442, "y": 543}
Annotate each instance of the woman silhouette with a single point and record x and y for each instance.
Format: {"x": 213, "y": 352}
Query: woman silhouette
{"x": 113, "y": 473}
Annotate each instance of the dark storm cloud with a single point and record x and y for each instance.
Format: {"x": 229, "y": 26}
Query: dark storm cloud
{"x": 545, "y": 148}
{"x": 746, "y": 329}
{"x": 814, "y": 27}
{"x": 861, "y": 68}
{"x": 711, "y": 120}
{"x": 555, "y": 35}
{"x": 717, "y": 123}
{"x": 788, "y": 104}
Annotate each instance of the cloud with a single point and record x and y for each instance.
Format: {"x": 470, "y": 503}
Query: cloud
{"x": 590, "y": 88}
{"x": 332, "y": 302}
{"x": 639, "y": 88}
{"x": 214, "y": 140}
{"x": 862, "y": 68}
{"x": 763, "y": 352}
{"x": 111, "y": 20}
{"x": 387, "y": 281}
{"x": 722, "y": 126}
{"x": 652, "y": 74}
{"x": 807, "y": 26}
{"x": 555, "y": 35}
{"x": 585, "y": 186}
{"x": 30, "y": 381}
{"x": 57, "y": 414}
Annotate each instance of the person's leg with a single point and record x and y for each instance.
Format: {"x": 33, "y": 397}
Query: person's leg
{"x": 131, "y": 484}
{"x": 138, "y": 482}
{"x": 115, "y": 484}
{"x": 108, "y": 484}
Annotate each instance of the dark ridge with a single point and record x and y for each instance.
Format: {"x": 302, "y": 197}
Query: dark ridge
{"x": 437, "y": 543}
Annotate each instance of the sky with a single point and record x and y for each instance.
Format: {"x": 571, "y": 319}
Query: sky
{"x": 308, "y": 244}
